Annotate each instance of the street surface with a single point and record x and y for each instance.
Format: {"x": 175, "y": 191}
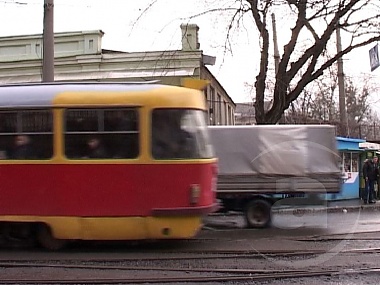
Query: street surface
{"x": 299, "y": 248}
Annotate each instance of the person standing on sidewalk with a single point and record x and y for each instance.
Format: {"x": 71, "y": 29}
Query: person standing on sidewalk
{"x": 376, "y": 184}
{"x": 370, "y": 174}
{"x": 363, "y": 195}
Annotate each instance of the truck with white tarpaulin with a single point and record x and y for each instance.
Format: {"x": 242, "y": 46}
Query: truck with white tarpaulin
{"x": 257, "y": 165}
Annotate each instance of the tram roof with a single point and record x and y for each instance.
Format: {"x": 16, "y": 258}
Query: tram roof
{"x": 43, "y": 94}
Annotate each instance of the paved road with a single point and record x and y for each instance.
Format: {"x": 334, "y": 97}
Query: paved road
{"x": 298, "y": 221}
{"x": 330, "y": 223}
{"x": 334, "y": 239}
{"x": 287, "y": 229}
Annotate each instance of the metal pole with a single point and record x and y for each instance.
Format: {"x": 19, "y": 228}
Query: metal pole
{"x": 48, "y": 42}
{"x": 342, "y": 95}
{"x": 275, "y": 44}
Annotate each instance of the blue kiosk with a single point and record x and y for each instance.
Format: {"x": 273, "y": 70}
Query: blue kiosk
{"x": 350, "y": 159}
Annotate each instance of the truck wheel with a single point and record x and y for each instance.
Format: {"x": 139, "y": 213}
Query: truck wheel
{"x": 258, "y": 214}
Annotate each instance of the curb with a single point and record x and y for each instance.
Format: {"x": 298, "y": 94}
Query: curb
{"x": 333, "y": 209}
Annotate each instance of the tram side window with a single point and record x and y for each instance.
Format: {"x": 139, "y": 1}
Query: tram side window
{"x": 101, "y": 133}
{"x": 26, "y": 134}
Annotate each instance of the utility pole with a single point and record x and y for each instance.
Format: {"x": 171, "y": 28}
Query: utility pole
{"x": 342, "y": 91}
{"x": 48, "y": 42}
{"x": 276, "y": 53}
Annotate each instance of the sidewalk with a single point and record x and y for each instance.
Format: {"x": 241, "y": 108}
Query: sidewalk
{"x": 329, "y": 206}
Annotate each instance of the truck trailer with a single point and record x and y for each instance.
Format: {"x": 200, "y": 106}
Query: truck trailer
{"x": 260, "y": 164}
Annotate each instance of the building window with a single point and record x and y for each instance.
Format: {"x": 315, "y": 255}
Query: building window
{"x": 219, "y": 112}
{"x": 229, "y": 115}
{"x": 212, "y": 106}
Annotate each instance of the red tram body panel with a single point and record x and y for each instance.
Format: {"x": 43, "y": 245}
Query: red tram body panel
{"x": 104, "y": 190}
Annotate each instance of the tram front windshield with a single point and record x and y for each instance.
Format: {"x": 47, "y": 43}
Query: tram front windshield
{"x": 180, "y": 134}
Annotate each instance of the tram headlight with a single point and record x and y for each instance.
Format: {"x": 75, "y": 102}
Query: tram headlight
{"x": 195, "y": 193}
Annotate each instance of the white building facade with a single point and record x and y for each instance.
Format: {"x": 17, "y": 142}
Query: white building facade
{"x": 78, "y": 56}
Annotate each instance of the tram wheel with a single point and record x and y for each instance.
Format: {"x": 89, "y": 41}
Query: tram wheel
{"x": 16, "y": 235}
{"x": 47, "y": 240}
{"x": 258, "y": 214}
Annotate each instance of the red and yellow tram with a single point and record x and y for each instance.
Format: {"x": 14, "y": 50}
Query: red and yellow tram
{"x": 103, "y": 161}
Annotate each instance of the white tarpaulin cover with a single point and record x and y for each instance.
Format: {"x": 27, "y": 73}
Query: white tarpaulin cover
{"x": 290, "y": 150}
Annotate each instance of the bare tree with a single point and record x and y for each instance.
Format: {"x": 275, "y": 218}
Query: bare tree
{"x": 312, "y": 30}
{"x": 317, "y": 104}
{"x": 357, "y": 101}
{"x": 321, "y": 104}
{"x": 362, "y": 27}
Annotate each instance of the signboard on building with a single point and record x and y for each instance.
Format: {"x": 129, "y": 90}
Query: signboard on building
{"x": 374, "y": 57}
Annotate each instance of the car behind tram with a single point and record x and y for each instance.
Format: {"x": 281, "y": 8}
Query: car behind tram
{"x": 103, "y": 161}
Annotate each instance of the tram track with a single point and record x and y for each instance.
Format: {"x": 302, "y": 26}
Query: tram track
{"x": 186, "y": 255}
{"x": 125, "y": 262}
{"x": 248, "y": 276}
{"x": 157, "y": 266}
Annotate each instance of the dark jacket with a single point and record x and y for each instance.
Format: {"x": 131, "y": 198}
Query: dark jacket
{"x": 22, "y": 152}
{"x": 370, "y": 170}
{"x": 99, "y": 152}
